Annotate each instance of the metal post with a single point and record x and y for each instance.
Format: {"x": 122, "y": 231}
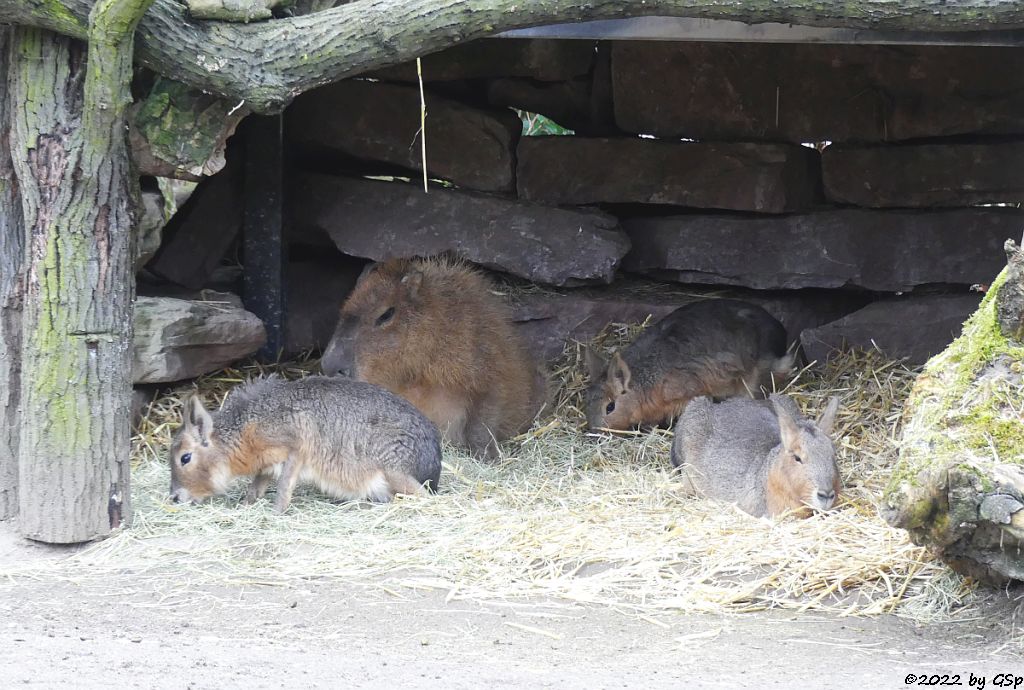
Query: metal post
{"x": 263, "y": 245}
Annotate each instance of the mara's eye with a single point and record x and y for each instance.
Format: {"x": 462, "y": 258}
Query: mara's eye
{"x": 610, "y": 407}
{"x": 798, "y": 459}
{"x": 186, "y": 458}
{"x": 386, "y": 316}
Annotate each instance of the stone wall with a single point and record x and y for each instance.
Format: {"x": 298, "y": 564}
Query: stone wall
{"x": 857, "y": 192}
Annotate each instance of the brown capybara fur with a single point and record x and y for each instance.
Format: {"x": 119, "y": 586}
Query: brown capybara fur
{"x": 433, "y": 331}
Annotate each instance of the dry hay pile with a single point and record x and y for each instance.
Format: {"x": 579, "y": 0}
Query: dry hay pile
{"x": 565, "y": 515}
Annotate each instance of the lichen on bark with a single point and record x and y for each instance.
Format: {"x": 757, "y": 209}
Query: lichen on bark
{"x": 178, "y": 131}
{"x": 78, "y": 194}
{"x": 270, "y": 62}
{"x": 962, "y": 445}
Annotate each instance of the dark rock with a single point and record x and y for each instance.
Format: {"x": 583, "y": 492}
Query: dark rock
{"x": 379, "y": 220}
{"x": 583, "y": 105}
{"x": 922, "y": 175}
{"x": 911, "y": 327}
{"x": 179, "y": 339}
{"x": 768, "y": 178}
{"x": 315, "y": 290}
{"x": 543, "y": 60}
{"x": 1010, "y": 297}
{"x": 566, "y": 102}
{"x": 799, "y": 93}
{"x": 151, "y": 222}
{"x": 877, "y": 250}
{"x": 549, "y": 320}
{"x": 200, "y": 233}
{"x": 374, "y": 121}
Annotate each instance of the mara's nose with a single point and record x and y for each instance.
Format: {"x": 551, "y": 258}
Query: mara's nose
{"x": 180, "y": 495}
{"x": 344, "y": 372}
{"x": 827, "y": 497}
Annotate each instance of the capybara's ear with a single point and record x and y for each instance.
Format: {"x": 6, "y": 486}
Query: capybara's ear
{"x": 412, "y": 282}
{"x": 788, "y": 429}
{"x": 596, "y": 365}
{"x": 367, "y": 270}
{"x": 197, "y": 419}
{"x": 619, "y": 373}
{"x": 827, "y": 420}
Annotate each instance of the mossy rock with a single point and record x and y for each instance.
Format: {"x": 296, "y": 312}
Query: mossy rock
{"x": 961, "y": 452}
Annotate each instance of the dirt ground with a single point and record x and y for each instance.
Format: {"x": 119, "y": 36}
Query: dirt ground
{"x": 58, "y": 633}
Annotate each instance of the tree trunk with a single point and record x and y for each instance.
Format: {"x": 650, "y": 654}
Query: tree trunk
{"x": 959, "y": 484}
{"x": 12, "y": 249}
{"x": 79, "y": 196}
{"x": 266, "y": 64}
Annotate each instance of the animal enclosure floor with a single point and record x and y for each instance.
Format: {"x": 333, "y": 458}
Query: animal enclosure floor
{"x": 356, "y": 634}
{"x": 578, "y": 559}
{"x": 578, "y": 517}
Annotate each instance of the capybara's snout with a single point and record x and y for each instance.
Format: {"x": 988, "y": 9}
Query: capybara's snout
{"x": 338, "y": 360}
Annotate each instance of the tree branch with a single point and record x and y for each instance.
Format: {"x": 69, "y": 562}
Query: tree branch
{"x": 269, "y": 63}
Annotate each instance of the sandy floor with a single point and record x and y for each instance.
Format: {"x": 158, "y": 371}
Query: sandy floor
{"x": 342, "y": 634}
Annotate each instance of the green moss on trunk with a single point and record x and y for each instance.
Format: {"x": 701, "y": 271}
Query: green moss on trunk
{"x": 963, "y": 437}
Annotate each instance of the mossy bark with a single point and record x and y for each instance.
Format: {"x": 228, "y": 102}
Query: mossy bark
{"x": 12, "y": 249}
{"x": 959, "y": 484}
{"x": 269, "y": 63}
{"x": 78, "y": 195}
{"x": 180, "y": 132}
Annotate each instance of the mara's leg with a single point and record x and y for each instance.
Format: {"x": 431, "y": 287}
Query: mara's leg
{"x": 684, "y": 473}
{"x": 286, "y": 484}
{"x": 258, "y": 486}
{"x": 400, "y": 483}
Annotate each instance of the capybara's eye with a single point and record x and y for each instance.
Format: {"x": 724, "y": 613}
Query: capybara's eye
{"x": 610, "y": 407}
{"x": 386, "y": 316}
{"x": 186, "y": 458}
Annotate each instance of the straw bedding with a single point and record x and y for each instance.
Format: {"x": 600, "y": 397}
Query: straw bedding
{"x": 565, "y": 515}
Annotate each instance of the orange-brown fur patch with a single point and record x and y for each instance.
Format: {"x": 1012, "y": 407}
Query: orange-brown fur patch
{"x": 656, "y": 404}
{"x": 254, "y": 452}
{"x": 785, "y": 491}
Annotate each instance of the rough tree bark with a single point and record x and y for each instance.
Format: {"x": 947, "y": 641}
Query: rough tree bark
{"x": 79, "y": 196}
{"x": 232, "y": 10}
{"x": 12, "y": 247}
{"x": 177, "y": 131}
{"x": 959, "y": 484}
{"x": 268, "y": 63}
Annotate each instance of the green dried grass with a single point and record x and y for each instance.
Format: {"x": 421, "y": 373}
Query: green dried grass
{"x": 565, "y": 515}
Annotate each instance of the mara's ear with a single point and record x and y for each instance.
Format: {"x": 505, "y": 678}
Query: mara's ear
{"x": 788, "y": 429}
{"x": 198, "y": 419}
{"x": 412, "y": 282}
{"x": 827, "y": 420}
{"x": 618, "y": 372}
{"x": 596, "y": 365}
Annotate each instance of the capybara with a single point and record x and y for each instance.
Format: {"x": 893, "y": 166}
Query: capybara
{"x": 763, "y": 455}
{"x": 716, "y": 347}
{"x": 433, "y": 331}
{"x": 353, "y": 440}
